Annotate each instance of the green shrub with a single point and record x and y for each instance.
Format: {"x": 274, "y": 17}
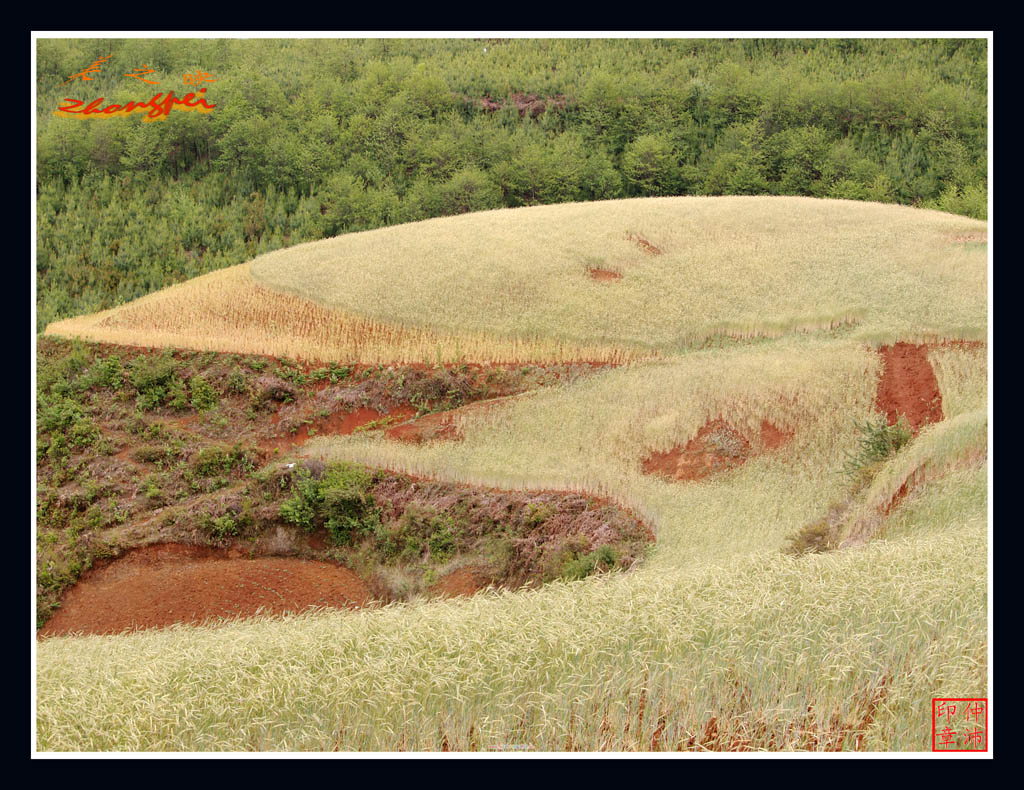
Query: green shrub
{"x": 347, "y": 503}
{"x": 151, "y": 488}
{"x": 57, "y": 448}
{"x": 152, "y": 378}
{"x": 107, "y": 372}
{"x": 204, "y": 396}
{"x": 340, "y": 499}
{"x": 579, "y": 566}
{"x": 222, "y": 526}
{"x": 83, "y": 433}
{"x": 537, "y": 513}
{"x": 56, "y": 414}
{"x": 222, "y": 460}
{"x": 177, "y": 397}
{"x": 422, "y": 529}
{"x": 237, "y": 382}
{"x": 301, "y": 509}
{"x": 443, "y": 540}
{"x": 152, "y": 454}
{"x": 878, "y": 440}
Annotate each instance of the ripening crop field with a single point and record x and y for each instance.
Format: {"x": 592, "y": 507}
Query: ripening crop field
{"x": 691, "y": 268}
{"x": 761, "y": 313}
{"x": 515, "y": 285}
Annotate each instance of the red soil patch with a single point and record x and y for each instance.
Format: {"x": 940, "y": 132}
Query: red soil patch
{"x": 463, "y": 581}
{"x": 908, "y": 386}
{"x": 604, "y": 274}
{"x": 338, "y": 424}
{"x": 981, "y": 236}
{"x": 717, "y": 447}
{"x": 645, "y": 245}
{"x": 771, "y": 437}
{"x": 438, "y": 425}
{"x": 162, "y": 584}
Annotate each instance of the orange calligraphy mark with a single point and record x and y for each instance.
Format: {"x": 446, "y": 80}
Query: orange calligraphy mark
{"x": 141, "y": 72}
{"x": 198, "y": 77}
{"x": 84, "y": 73}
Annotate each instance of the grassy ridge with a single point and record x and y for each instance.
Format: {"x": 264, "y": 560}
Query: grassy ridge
{"x": 227, "y": 310}
{"x": 737, "y": 266}
{"x": 514, "y": 285}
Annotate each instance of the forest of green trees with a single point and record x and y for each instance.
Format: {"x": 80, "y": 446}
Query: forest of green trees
{"x": 312, "y": 138}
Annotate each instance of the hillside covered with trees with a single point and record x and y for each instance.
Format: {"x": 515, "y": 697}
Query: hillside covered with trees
{"x": 314, "y": 138}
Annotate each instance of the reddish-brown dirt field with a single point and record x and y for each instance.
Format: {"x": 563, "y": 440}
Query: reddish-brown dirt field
{"x": 716, "y": 448}
{"x": 339, "y": 424}
{"x": 438, "y": 425}
{"x": 463, "y": 581}
{"x": 162, "y": 584}
{"x": 908, "y": 386}
{"x": 604, "y": 275}
{"x": 772, "y": 438}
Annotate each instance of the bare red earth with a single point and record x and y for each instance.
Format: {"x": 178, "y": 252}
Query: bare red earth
{"x": 339, "y": 424}
{"x": 463, "y": 581}
{"x": 702, "y": 456}
{"x": 908, "y": 386}
{"x": 772, "y": 438}
{"x": 162, "y": 584}
{"x": 438, "y": 425}
{"x": 716, "y": 448}
{"x": 604, "y": 275}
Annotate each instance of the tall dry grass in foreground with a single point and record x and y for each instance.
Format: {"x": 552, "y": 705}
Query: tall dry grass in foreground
{"x": 719, "y": 641}
{"x": 822, "y": 652}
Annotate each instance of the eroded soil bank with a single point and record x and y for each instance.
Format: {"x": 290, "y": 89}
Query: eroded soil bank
{"x": 137, "y": 448}
{"x": 907, "y": 387}
{"x": 338, "y": 535}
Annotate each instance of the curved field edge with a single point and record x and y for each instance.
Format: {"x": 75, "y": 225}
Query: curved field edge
{"x": 592, "y": 436}
{"x": 689, "y": 268}
{"x": 228, "y": 311}
{"x": 819, "y": 652}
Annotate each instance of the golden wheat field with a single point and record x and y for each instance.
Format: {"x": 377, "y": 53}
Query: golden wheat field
{"x": 515, "y": 285}
{"x": 719, "y": 639}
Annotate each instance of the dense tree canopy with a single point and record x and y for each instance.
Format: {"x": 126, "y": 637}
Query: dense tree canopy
{"x": 312, "y": 138}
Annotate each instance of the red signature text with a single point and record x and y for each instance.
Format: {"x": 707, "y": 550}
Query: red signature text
{"x": 156, "y": 109}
